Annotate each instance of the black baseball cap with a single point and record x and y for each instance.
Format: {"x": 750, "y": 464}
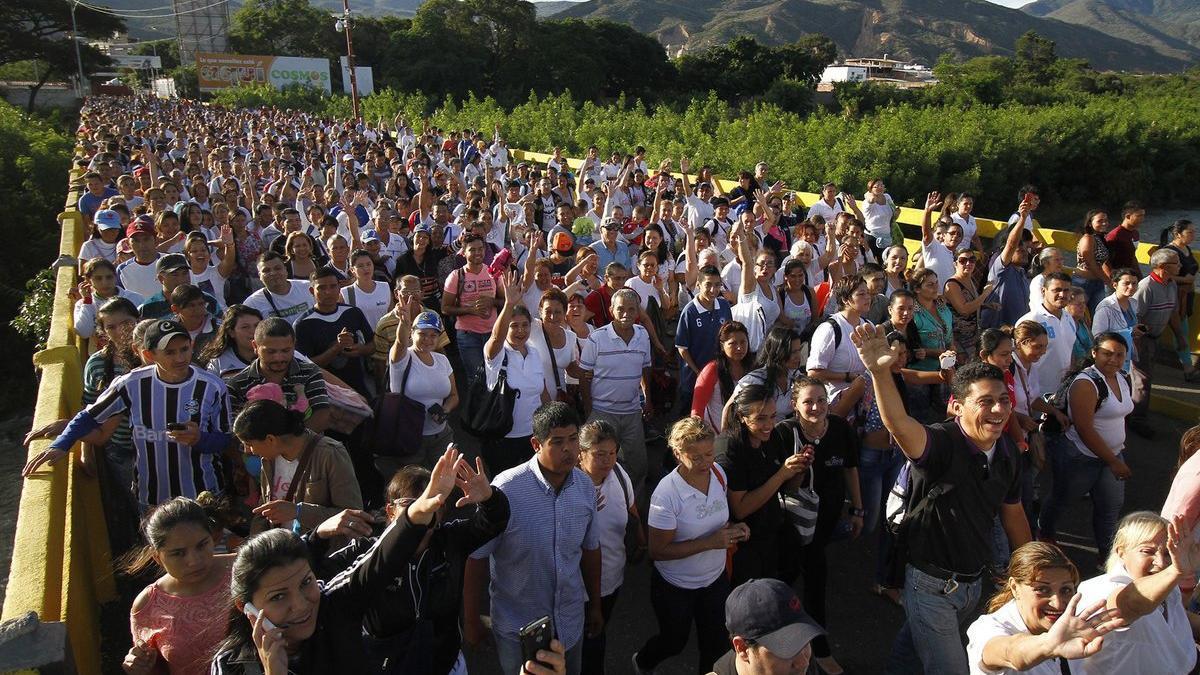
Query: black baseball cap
{"x": 171, "y": 262}
{"x": 161, "y": 333}
{"x": 768, "y": 612}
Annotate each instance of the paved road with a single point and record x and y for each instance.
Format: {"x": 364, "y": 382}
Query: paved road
{"x": 862, "y": 625}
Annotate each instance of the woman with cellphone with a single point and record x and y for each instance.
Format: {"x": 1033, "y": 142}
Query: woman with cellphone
{"x": 285, "y": 622}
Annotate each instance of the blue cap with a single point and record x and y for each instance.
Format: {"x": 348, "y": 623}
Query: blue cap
{"x": 768, "y": 612}
{"x": 424, "y": 227}
{"x": 740, "y": 209}
{"x": 428, "y": 319}
{"x": 107, "y": 219}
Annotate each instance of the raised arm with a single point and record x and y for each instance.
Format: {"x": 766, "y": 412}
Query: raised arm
{"x": 512, "y": 297}
{"x": 1013, "y": 243}
{"x": 878, "y": 356}
{"x": 932, "y": 201}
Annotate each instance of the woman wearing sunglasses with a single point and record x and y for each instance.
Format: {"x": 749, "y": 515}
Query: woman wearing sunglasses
{"x": 965, "y": 302}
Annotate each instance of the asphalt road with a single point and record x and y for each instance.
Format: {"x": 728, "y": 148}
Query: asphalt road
{"x": 862, "y": 625}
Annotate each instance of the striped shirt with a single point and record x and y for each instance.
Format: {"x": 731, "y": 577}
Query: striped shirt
{"x": 165, "y": 469}
{"x": 535, "y": 561}
{"x": 121, "y": 441}
{"x": 301, "y": 372}
{"x": 616, "y": 368}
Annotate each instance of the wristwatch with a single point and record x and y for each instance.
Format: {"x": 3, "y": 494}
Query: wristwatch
{"x": 856, "y": 513}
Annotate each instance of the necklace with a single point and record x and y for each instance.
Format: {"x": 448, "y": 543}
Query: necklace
{"x": 814, "y": 436}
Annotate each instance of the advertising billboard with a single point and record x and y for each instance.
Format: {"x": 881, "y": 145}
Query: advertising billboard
{"x": 219, "y": 71}
{"x": 364, "y": 76}
{"x": 140, "y": 62}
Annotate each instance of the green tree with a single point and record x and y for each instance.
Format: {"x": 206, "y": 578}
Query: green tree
{"x": 39, "y": 30}
{"x": 1035, "y": 59}
{"x": 284, "y": 28}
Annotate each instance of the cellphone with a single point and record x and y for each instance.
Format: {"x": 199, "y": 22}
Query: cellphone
{"x": 1029, "y": 197}
{"x": 1142, "y": 327}
{"x": 176, "y": 426}
{"x": 252, "y": 613}
{"x": 536, "y": 636}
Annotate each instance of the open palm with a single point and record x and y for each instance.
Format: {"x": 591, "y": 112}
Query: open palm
{"x": 1076, "y": 636}
{"x": 873, "y": 348}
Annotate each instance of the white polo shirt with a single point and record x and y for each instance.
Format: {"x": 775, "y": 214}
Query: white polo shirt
{"x": 524, "y": 374}
{"x": 824, "y": 210}
{"x": 827, "y": 353}
{"x": 677, "y": 506}
{"x": 1057, "y": 360}
{"x": 617, "y": 368}
{"x": 1002, "y": 623}
{"x": 612, "y": 515}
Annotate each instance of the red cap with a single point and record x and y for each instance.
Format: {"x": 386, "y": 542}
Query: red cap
{"x": 141, "y": 170}
{"x": 139, "y": 226}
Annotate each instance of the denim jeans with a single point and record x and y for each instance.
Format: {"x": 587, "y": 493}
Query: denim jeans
{"x": 508, "y": 651}
{"x": 930, "y": 637}
{"x": 877, "y": 471}
{"x": 1095, "y": 289}
{"x": 1074, "y": 475}
{"x": 470, "y": 351}
{"x": 676, "y": 609}
{"x": 632, "y": 433}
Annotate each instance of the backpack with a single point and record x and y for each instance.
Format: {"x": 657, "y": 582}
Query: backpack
{"x": 1061, "y": 397}
{"x": 903, "y": 507}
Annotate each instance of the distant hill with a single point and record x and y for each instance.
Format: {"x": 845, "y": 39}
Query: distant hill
{"x": 546, "y": 10}
{"x": 906, "y": 29}
{"x": 1171, "y": 27}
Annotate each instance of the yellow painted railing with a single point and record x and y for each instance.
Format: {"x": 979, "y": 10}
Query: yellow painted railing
{"x": 61, "y": 564}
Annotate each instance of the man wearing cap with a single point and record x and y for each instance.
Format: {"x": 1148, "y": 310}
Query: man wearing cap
{"x": 610, "y": 248}
{"x": 386, "y": 232}
{"x": 140, "y": 273}
{"x": 178, "y": 414}
{"x": 770, "y": 632}
{"x": 173, "y": 271}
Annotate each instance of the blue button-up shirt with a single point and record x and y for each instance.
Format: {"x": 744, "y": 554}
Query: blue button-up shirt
{"x": 606, "y": 256}
{"x": 535, "y": 562}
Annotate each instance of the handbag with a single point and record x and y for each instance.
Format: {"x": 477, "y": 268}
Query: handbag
{"x": 488, "y": 413}
{"x": 560, "y": 392}
{"x": 396, "y": 416}
{"x": 800, "y": 508}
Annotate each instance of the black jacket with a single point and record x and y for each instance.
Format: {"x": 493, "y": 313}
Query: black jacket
{"x": 336, "y": 645}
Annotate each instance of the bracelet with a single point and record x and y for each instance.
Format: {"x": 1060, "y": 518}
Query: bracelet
{"x": 856, "y": 512}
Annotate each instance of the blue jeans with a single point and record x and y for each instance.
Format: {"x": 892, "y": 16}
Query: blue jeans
{"x": 877, "y": 471}
{"x": 930, "y": 635}
{"x": 508, "y": 651}
{"x": 1074, "y": 475}
{"x": 470, "y": 351}
{"x": 1095, "y": 289}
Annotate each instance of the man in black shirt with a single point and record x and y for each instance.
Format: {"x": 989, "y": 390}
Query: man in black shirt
{"x": 962, "y": 475}
{"x": 421, "y": 260}
{"x": 336, "y": 336}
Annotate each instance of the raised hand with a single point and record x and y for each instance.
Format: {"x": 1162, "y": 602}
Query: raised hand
{"x": 1182, "y": 545}
{"x": 873, "y": 348}
{"x": 1076, "y": 636}
{"x": 441, "y": 483}
{"x": 472, "y": 481}
{"x": 684, "y": 164}
{"x": 933, "y": 201}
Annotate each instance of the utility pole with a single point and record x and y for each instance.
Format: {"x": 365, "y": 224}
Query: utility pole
{"x": 350, "y": 60}
{"x": 75, "y": 39}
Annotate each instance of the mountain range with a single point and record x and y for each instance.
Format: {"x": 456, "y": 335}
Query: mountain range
{"x": 907, "y": 29}
{"x": 1170, "y": 27}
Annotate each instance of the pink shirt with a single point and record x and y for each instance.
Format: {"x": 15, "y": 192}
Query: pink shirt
{"x": 1184, "y": 498}
{"x": 474, "y": 286}
{"x": 184, "y": 630}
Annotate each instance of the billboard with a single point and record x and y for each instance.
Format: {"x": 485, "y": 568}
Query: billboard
{"x": 141, "y": 62}
{"x": 363, "y": 74}
{"x": 220, "y": 71}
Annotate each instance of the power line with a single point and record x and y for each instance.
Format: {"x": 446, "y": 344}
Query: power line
{"x": 111, "y": 12}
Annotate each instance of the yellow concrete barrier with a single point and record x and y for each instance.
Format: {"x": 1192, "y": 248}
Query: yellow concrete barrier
{"x": 61, "y": 564}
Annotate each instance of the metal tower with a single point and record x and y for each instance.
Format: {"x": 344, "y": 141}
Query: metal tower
{"x": 202, "y": 25}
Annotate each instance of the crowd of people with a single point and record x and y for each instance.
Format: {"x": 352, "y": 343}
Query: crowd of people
{"x": 275, "y": 304}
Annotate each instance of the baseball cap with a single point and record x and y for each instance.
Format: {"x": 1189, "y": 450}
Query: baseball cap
{"x": 171, "y": 262}
{"x": 562, "y": 242}
{"x": 140, "y": 171}
{"x": 158, "y": 335}
{"x": 347, "y": 157}
{"x": 719, "y": 201}
{"x": 140, "y": 225}
{"x": 768, "y": 612}
{"x": 369, "y": 237}
{"x": 107, "y": 219}
{"x": 423, "y": 227}
{"x": 611, "y": 224}
{"x": 428, "y": 319}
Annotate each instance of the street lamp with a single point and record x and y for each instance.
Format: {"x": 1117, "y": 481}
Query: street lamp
{"x": 343, "y": 23}
{"x": 75, "y": 39}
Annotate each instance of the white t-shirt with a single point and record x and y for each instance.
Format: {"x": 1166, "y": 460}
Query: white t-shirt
{"x": 677, "y": 506}
{"x": 374, "y": 304}
{"x": 940, "y": 259}
{"x": 285, "y": 471}
{"x": 210, "y": 281}
{"x": 770, "y": 306}
{"x": 969, "y": 227}
{"x": 1028, "y": 385}
{"x": 290, "y": 305}
{"x": 563, "y": 356}
{"x": 1001, "y": 623}
{"x": 96, "y": 248}
{"x": 612, "y": 515}
{"x": 426, "y": 385}
{"x": 1109, "y": 421}
{"x": 139, "y": 278}
{"x": 645, "y": 291}
{"x": 229, "y": 363}
{"x": 1036, "y": 286}
{"x": 525, "y": 375}
{"x": 1061, "y": 331}
{"x": 1152, "y": 645}
{"x": 879, "y": 220}
{"x": 828, "y": 353}
{"x": 820, "y": 208}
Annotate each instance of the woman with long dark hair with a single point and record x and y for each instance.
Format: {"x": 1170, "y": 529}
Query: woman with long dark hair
{"x": 231, "y": 350}
{"x": 304, "y": 627}
{"x": 1092, "y": 272}
{"x": 777, "y": 366}
{"x": 717, "y": 378}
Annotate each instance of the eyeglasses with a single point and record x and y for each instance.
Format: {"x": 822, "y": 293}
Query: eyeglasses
{"x": 966, "y": 261}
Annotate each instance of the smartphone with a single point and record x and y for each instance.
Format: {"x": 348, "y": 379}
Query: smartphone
{"x": 535, "y": 636}
{"x": 176, "y": 426}
{"x": 252, "y": 613}
{"x": 1029, "y": 197}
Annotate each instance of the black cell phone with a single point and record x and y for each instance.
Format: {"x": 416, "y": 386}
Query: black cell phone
{"x": 176, "y": 426}
{"x": 534, "y": 637}
{"x": 1142, "y": 327}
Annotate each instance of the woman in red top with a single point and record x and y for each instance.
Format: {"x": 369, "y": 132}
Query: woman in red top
{"x": 714, "y": 384}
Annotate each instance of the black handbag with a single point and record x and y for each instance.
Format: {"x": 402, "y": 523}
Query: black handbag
{"x": 488, "y": 413}
{"x": 396, "y": 415}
